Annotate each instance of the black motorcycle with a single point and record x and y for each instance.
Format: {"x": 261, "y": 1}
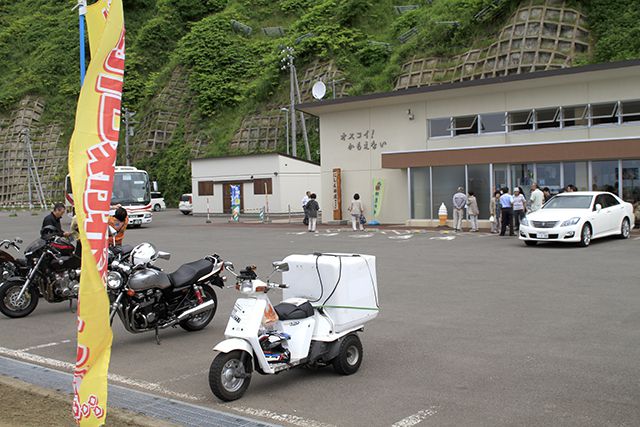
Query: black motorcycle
{"x": 8, "y": 262}
{"x": 148, "y": 299}
{"x": 52, "y": 271}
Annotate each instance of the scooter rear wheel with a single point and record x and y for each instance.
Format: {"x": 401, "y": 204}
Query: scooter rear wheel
{"x": 349, "y": 356}
{"x": 222, "y": 375}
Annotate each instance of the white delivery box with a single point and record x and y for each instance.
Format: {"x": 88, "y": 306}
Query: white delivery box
{"x": 345, "y": 285}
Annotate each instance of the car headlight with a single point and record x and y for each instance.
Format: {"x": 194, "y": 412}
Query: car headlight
{"x": 571, "y": 221}
{"x": 524, "y": 221}
{"x": 114, "y": 280}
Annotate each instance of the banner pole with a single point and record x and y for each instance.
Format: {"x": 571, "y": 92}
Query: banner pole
{"x": 82, "y": 10}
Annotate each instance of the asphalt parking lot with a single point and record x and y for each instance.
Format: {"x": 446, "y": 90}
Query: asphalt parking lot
{"x": 474, "y": 329}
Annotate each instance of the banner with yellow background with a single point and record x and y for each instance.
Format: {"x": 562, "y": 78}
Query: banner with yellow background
{"x": 92, "y": 157}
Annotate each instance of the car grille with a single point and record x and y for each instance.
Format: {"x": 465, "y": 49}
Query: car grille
{"x": 544, "y": 224}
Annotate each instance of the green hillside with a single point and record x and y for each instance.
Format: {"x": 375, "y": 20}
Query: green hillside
{"x": 232, "y": 74}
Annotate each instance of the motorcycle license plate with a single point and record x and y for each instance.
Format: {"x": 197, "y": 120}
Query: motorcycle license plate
{"x": 542, "y": 235}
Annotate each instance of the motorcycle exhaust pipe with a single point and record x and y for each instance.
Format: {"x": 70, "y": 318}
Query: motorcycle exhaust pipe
{"x": 191, "y": 312}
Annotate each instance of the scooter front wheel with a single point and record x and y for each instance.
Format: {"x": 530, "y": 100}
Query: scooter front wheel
{"x": 229, "y": 377}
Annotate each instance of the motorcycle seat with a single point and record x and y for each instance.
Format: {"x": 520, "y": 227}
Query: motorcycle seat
{"x": 190, "y": 273}
{"x": 291, "y": 311}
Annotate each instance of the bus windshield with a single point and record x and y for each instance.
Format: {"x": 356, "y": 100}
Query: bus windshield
{"x": 131, "y": 188}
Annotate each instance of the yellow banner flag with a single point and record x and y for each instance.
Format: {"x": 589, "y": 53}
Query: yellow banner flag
{"x": 92, "y": 157}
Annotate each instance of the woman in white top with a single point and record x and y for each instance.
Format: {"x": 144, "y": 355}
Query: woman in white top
{"x": 356, "y": 210}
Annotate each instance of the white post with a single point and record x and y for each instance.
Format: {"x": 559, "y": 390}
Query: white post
{"x": 208, "y": 216}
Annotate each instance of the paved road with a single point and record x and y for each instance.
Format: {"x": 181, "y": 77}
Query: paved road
{"x": 474, "y": 330}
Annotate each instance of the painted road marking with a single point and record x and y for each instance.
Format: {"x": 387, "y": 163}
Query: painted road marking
{"x": 636, "y": 238}
{"x": 416, "y": 418}
{"x": 402, "y": 237}
{"x": 297, "y": 232}
{"x": 291, "y": 419}
{"x": 361, "y": 236}
{"x": 325, "y": 234}
{"x": 159, "y": 389}
{"x": 442, "y": 238}
{"x": 51, "y": 344}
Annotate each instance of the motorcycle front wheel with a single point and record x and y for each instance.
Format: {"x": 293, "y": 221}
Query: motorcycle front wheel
{"x": 13, "y": 307}
{"x": 200, "y": 321}
{"x": 223, "y": 379}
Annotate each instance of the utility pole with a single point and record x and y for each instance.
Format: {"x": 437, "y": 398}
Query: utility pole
{"x": 126, "y": 118}
{"x": 286, "y": 117}
{"x": 302, "y": 120}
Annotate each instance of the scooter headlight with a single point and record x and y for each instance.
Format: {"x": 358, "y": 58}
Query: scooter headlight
{"x": 246, "y": 287}
{"x": 114, "y": 280}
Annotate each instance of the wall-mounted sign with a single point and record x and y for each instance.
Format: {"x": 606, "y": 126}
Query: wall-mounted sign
{"x": 378, "y": 191}
{"x": 337, "y": 195}
{"x": 363, "y": 140}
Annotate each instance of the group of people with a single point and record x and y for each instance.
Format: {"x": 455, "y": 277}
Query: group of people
{"x": 505, "y": 209}
{"x": 117, "y": 223}
{"x": 311, "y": 208}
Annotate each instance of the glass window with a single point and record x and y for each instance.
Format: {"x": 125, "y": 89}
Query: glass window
{"x": 446, "y": 179}
{"x": 605, "y": 176}
{"x": 440, "y": 127}
{"x": 631, "y": 182}
{"x": 610, "y": 201}
{"x": 548, "y": 175}
{"x": 522, "y": 176}
{"x": 568, "y": 202}
{"x": 205, "y": 188}
{"x": 492, "y": 122}
{"x": 465, "y": 125}
{"x": 548, "y": 118}
{"x": 262, "y": 186}
{"x": 478, "y": 176}
{"x": 420, "y": 194}
{"x": 520, "y": 120}
{"x": 500, "y": 177}
{"x": 599, "y": 201}
{"x": 630, "y": 111}
{"x": 576, "y": 173}
{"x": 603, "y": 113}
{"x": 574, "y": 116}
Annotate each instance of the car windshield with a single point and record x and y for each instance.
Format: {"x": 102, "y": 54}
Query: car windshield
{"x": 569, "y": 202}
{"x": 184, "y": 198}
{"x": 130, "y": 188}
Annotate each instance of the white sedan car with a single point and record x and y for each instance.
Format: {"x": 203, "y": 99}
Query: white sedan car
{"x": 578, "y": 217}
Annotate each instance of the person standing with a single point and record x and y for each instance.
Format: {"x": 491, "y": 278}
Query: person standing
{"x": 518, "y": 203}
{"x": 547, "y": 194}
{"x": 506, "y": 211}
{"x": 459, "y": 203}
{"x": 305, "y": 200}
{"x": 494, "y": 212}
{"x": 356, "y": 210}
{"x": 473, "y": 210}
{"x": 53, "y": 219}
{"x": 312, "y": 211}
{"x": 537, "y": 198}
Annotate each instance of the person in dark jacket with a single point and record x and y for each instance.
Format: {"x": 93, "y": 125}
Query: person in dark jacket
{"x": 53, "y": 219}
{"x": 312, "y": 211}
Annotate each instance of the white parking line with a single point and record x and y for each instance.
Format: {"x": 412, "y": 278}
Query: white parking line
{"x": 636, "y": 238}
{"x": 416, "y": 418}
{"x": 291, "y": 419}
{"x": 442, "y": 238}
{"x": 51, "y": 344}
{"x": 402, "y": 237}
{"x": 360, "y": 236}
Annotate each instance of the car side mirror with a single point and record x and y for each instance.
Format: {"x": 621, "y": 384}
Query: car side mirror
{"x": 228, "y": 265}
{"x": 280, "y": 266}
{"x": 164, "y": 255}
{"x": 598, "y": 207}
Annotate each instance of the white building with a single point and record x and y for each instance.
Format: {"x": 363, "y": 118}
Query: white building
{"x": 274, "y": 179}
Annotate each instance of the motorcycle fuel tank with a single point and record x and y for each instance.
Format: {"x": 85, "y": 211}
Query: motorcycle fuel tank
{"x": 149, "y": 278}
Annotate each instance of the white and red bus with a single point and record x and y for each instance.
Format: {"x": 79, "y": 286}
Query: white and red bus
{"x": 131, "y": 190}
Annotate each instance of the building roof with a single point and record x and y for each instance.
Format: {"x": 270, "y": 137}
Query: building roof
{"x": 233, "y": 156}
{"x": 418, "y": 93}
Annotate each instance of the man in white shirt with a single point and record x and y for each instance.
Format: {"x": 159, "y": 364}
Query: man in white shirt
{"x": 537, "y": 198}
{"x": 305, "y": 200}
{"x": 459, "y": 203}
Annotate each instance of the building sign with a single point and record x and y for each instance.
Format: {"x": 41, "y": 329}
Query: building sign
{"x": 378, "y": 191}
{"x": 362, "y": 140}
{"x": 235, "y": 202}
{"x": 337, "y": 194}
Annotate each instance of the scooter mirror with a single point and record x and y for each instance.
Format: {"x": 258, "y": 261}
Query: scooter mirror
{"x": 228, "y": 265}
{"x": 280, "y": 266}
{"x": 164, "y": 255}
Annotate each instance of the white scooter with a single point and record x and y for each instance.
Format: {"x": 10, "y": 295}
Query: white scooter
{"x": 274, "y": 339}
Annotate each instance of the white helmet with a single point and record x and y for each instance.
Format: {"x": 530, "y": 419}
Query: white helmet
{"x": 144, "y": 253}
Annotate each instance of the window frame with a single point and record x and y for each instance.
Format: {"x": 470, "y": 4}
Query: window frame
{"x": 447, "y": 129}
{"x": 623, "y": 115}
{"x": 584, "y": 116}
{"x": 555, "y": 119}
{"x": 481, "y": 131}
{"x": 527, "y": 122}
{"x": 258, "y": 183}
{"x": 202, "y": 191}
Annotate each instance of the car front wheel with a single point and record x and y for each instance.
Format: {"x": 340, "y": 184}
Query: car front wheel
{"x": 585, "y": 236}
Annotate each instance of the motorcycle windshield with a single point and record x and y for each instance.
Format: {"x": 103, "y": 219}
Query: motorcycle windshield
{"x": 35, "y": 246}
